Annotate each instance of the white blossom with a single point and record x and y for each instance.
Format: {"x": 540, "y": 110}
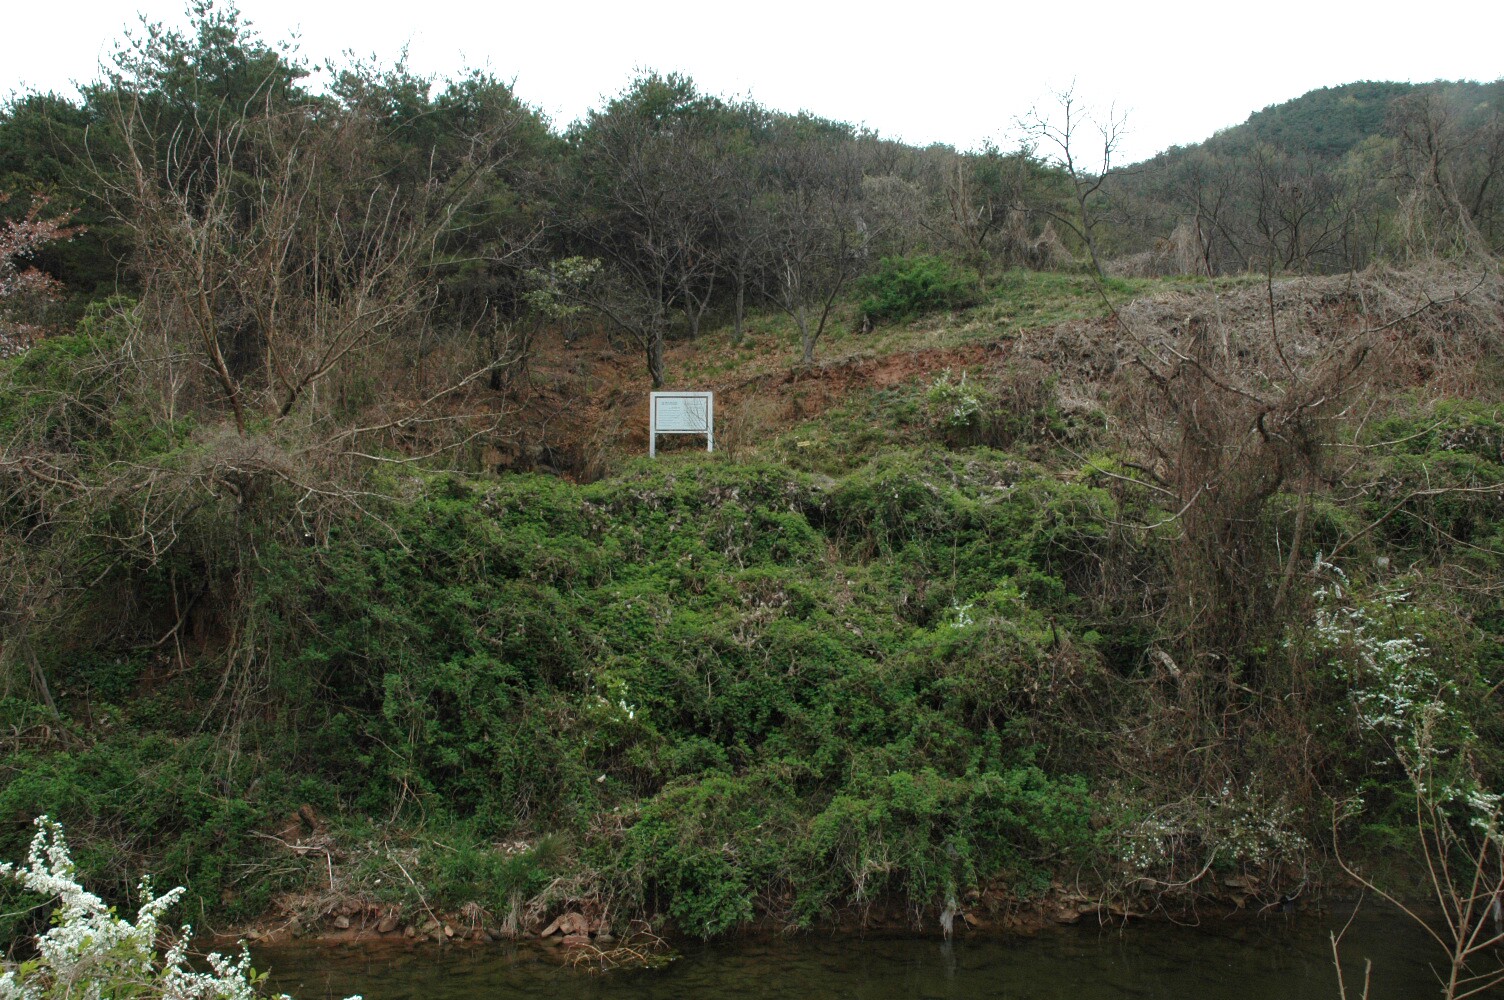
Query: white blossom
{"x": 93, "y": 953}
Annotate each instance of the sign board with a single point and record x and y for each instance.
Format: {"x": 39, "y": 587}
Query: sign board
{"x": 681, "y": 413}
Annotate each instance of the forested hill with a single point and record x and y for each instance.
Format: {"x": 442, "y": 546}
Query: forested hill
{"x": 1327, "y": 122}
{"x": 1329, "y": 181}
{"x": 1330, "y": 122}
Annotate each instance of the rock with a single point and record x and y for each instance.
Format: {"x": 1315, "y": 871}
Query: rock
{"x": 448, "y": 931}
{"x": 605, "y": 937}
{"x": 429, "y": 926}
{"x": 409, "y": 931}
{"x": 576, "y": 940}
{"x": 342, "y": 922}
{"x": 388, "y": 924}
{"x": 566, "y": 924}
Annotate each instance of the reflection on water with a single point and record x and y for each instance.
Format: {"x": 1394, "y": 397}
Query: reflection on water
{"x": 1275, "y": 959}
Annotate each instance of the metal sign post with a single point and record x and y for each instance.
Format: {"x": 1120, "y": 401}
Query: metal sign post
{"x": 681, "y": 413}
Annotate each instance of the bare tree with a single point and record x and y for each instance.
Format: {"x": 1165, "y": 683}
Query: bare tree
{"x": 745, "y": 245}
{"x": 279, "y": 255}
{"x": 1208, "y": 184}
{"x": 980, "y": 208}
{"x": 1301, "y": 213}
{"x": 286, "y": 283}
{"x": 1452, "y": 165}
{"x": 1065, "y": 134}
{"x": 821, "y": 236}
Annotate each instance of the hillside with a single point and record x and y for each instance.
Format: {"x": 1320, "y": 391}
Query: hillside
{"x": 1074, "y": 545}
{"x": 1334, "y": 120}
{"x": 1331, "y": 122}
{"x": 1325, "y": 182}
{"x": 888, "y": 648}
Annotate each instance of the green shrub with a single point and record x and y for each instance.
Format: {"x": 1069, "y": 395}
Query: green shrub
{"x": 903, "y": 287}
{"x": 928, "y": 837}
{"x": 710, "y": 847}
{"x": 1000, "y": 408}
{"x": 462, "y": 866}
{"x": 951, "y": 525}
{"x": 137, "y": 801}
{"x": 68, "y": 392}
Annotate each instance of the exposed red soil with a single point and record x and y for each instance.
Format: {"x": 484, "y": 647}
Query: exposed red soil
{"x": 587, "y": 401}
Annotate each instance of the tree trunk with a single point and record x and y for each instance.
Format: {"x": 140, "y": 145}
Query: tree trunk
{"x": 493, "y": 357}
{"x": 655, "y": 357}
{"x": 739, "y": 317}
{"x": 695, "y": 308}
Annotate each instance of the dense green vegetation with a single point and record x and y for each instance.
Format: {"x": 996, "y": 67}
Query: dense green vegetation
{"x": 775, "y": 679}
{"x": 903, "y": 287}
{"x": 1331, "y": 121}
{"x": 1163, "y": 587}
{"x": 720, "y": 690}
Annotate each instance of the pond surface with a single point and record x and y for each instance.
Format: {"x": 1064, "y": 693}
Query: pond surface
{"x": 1280, "y": 958}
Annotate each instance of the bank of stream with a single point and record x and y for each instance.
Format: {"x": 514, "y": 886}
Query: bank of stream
{"x": 1282, "y": 958}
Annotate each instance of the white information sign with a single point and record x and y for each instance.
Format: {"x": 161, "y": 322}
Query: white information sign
{"x": 681, "y": 413}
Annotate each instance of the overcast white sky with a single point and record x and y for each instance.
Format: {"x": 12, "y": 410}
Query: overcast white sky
{"x": 935, "y": 71}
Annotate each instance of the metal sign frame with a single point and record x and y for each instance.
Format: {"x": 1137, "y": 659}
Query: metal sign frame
{"x": 654, "y": 429}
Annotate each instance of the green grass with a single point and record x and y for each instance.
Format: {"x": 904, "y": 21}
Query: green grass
{"x": 1016, "y": 300}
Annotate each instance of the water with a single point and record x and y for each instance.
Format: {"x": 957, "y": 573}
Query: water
{"x": 1275, "y": 959}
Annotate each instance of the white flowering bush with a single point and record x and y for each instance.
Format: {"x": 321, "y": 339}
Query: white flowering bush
{"x": 1394, "y": 686}
{"x": 1404, "y": 693}
{"x": 1400, "y": 691}
{"x": 1234, "y": 828}
{"x": 963, "y": 613}
{"x": 955, "y": 406}
{"x": 93, "y": 953}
